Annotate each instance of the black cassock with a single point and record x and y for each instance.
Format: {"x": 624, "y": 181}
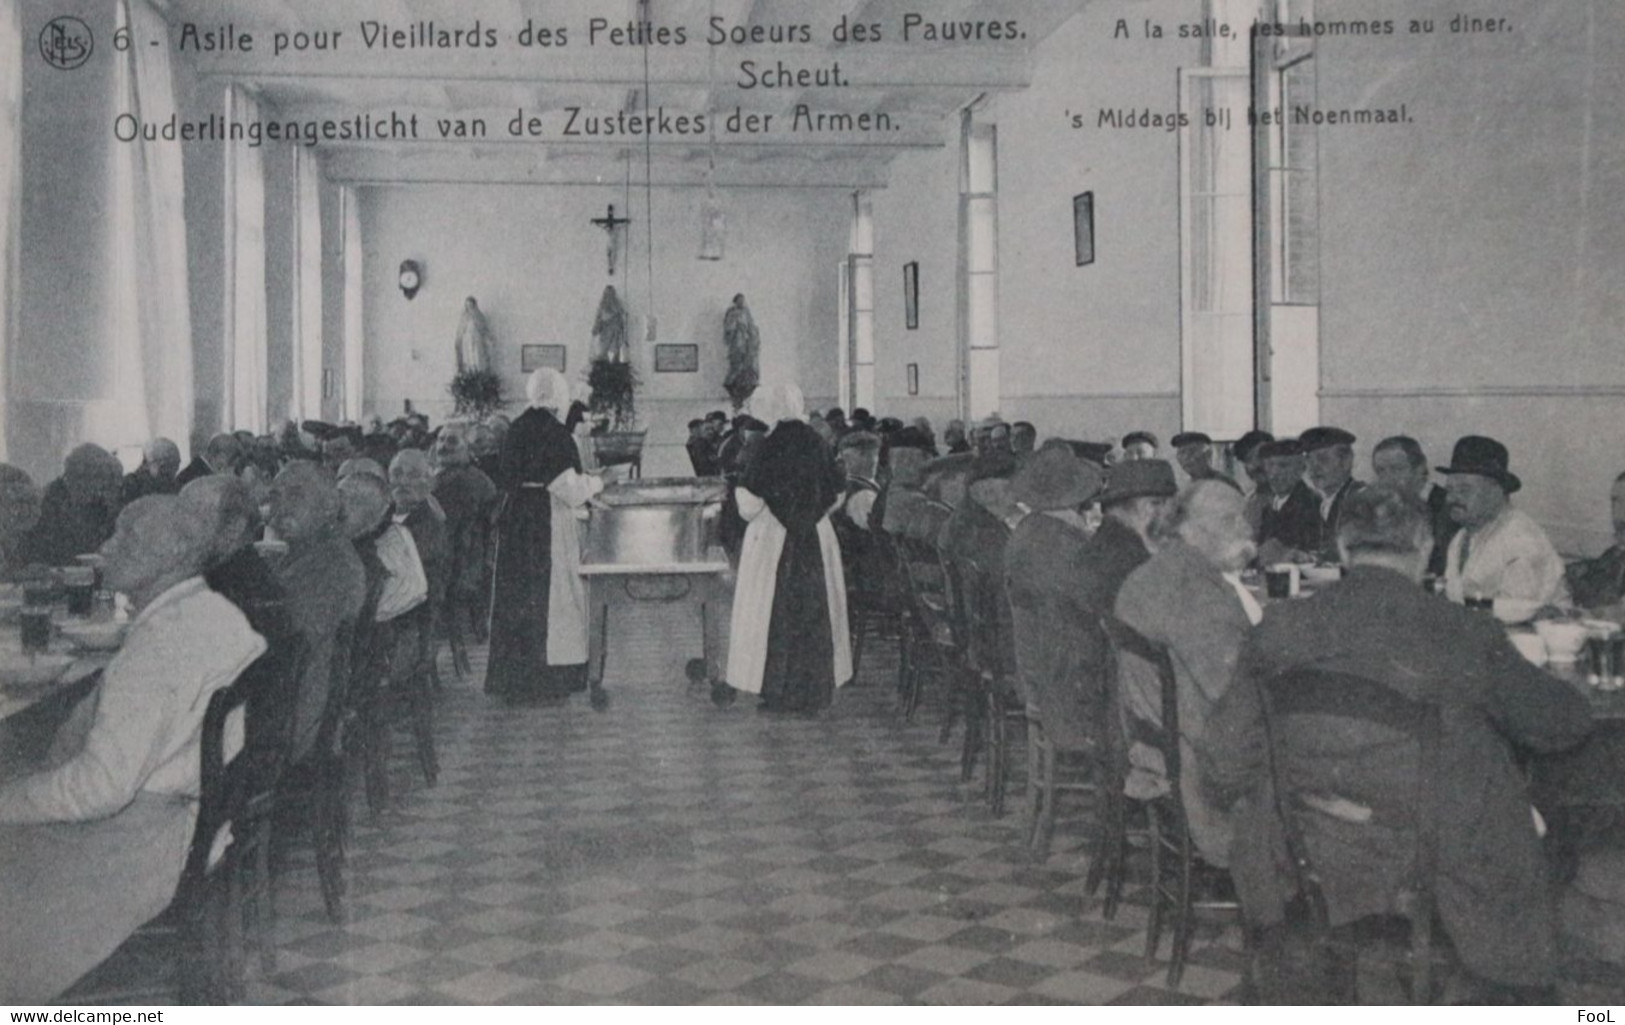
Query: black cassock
{"x": 535, "y": 651}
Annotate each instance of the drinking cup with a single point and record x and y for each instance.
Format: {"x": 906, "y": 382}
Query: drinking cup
{"x": 1281, "y": 580}
{"x": 80, "y": 582}
{"x": 34, "y": 623}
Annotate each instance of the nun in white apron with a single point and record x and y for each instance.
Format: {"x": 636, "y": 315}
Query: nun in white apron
{"x": 539, "y": 601}
{"x": 789, "y": 639}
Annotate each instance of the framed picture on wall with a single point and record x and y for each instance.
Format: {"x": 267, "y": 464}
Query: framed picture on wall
{"x": 535, "y": 357}
{"x": 681, "y": 358}
{"x": 913, "y": 378}
{"x": 911, "y": 295}
{"x": 1083, "y": 227}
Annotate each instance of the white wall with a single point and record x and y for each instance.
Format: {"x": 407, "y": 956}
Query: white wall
{"x": 537, "y": 267}
{"x": 1474, "y": 263}
{"x": 1086, "y": 352}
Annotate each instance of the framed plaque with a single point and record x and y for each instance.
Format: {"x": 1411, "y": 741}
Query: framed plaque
{"x": 677, "y": 358}
{"x": 535, "y": 357}
{"x": 1083, "y": 227}
{"x": 911, "y": 295}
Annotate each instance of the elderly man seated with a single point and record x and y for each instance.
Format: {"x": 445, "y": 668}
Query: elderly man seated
{"x": 1500, "y": 552}
{"x": 1601, "y": 581}
{"x": 79, "y": 508}
{"x": 1399, "y": 463}
{"x": 160, "y": 462}
{"x": 1189, "y": 598}
{"x": 411, "y": 487}
{"x": 236, "y": 572}
{"x": 1375, "y": 645}
{"x": 220, "y": 455}
{"x": 1044, "y": 565}
{"x": 386, "y": 549}
{"x": 1194, "y": 450}
{"x": 859, "y": 455}
{"x": 324, "y": 580}
{"x": 19, "y": 512}
{"x": 468, "y": 498}
{"x": 1139, "y": 445}
{"x": 1288, "y": 527}
{"x": 93, "y": 846}
{"x": 1329, "y": 456}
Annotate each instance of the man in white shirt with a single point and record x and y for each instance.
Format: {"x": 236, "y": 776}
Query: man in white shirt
{"x": 93, "y": 846}
{"x": 1500, "y": 552}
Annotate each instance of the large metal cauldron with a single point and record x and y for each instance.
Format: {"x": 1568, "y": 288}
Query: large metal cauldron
{"x": 659, "y": 522}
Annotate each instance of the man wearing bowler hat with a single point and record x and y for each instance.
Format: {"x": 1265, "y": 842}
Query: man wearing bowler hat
{"x": 1043, "y": 568}
{"x": 1133, "y": 502}
{"x": 1500, "y": 552}
{"x": 1329, "y": 457}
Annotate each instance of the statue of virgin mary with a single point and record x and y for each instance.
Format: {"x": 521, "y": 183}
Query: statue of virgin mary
{"x": 473, "y": 339}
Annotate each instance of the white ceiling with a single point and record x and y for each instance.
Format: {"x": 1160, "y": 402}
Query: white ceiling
{"x": 920, "y": 85}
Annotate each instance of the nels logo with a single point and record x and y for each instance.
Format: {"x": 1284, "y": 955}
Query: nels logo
{"x": 65, "y": 43}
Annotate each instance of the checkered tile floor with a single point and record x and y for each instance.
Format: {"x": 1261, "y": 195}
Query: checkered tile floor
{"x": 671, "y": 852}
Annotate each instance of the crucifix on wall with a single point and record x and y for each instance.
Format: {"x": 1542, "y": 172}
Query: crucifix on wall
{"x": 612, "y": 226}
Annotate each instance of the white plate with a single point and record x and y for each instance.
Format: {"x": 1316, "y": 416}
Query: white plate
{"x": 23, "y": 671}
{"x": 102, "y": 636}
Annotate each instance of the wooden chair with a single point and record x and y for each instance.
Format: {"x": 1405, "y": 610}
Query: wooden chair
{"x": 218, "y": 901}
{"x": 394, "y": 682}
{"x": 1301, "y": 709}
{"x": 1175, "y": 865}
{"x": 970, "y": 688}
{"x": 990, "y": 636}
{"x": 318, "y": 785}
{"x": 931, "y": 649}
{"x": 872, "y": 593}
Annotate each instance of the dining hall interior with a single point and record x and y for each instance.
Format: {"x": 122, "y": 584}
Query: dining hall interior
{"x": 757, "y": 502}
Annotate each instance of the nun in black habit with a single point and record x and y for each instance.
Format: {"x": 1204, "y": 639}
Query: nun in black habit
{"x": 539, "y": 601}
{"x": 789, "y": 641}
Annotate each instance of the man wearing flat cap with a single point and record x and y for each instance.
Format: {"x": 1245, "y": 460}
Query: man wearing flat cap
{"x": 1500, "y": 552}
{"x": 1194, "y": 450}
{"x": 1247, "y": 451}
{"x": 1139, "y": 445}
{"x": 1329, "y": 457}
{"x": 1043, "y": 566}
{"x": 1289, "y": 522}
{"x": 1132, "y": 504}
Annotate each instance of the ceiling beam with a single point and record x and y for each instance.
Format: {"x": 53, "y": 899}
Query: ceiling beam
{"x": 867, "y": 68}
{"x": 379, "y": 167}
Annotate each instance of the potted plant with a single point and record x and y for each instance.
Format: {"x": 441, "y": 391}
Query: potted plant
{"x": 613, "y": 404}
{"x": 476, "y": 392}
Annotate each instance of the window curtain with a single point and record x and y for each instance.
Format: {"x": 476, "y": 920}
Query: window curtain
{"x": 247, "y": 352}
{"x": 354, "y": 341}
{"x": 152, "y": 332}
{"x": 307, "y": 289}
{"x": 11, "y": 113}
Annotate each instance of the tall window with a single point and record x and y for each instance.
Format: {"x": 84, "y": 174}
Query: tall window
{"x": 1287, "y": 229}
{"x": 11, "y": 113}
{"x": 354, "y": 340}
{"x": 979, "y": 267}
{"x": 246, "y": 351}
{"x": 1216, "y": 226}
{"x": 307, "y": 289}
{"x": 858, "y": 379}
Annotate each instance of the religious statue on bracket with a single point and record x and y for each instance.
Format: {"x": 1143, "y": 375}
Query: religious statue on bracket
{"x": 609, "y": 327}
{"x": 473, "y": 338}
{"x": 477, "y": 388}
{"x": 744, "y": 348}
{"x": 611, "y": 375}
